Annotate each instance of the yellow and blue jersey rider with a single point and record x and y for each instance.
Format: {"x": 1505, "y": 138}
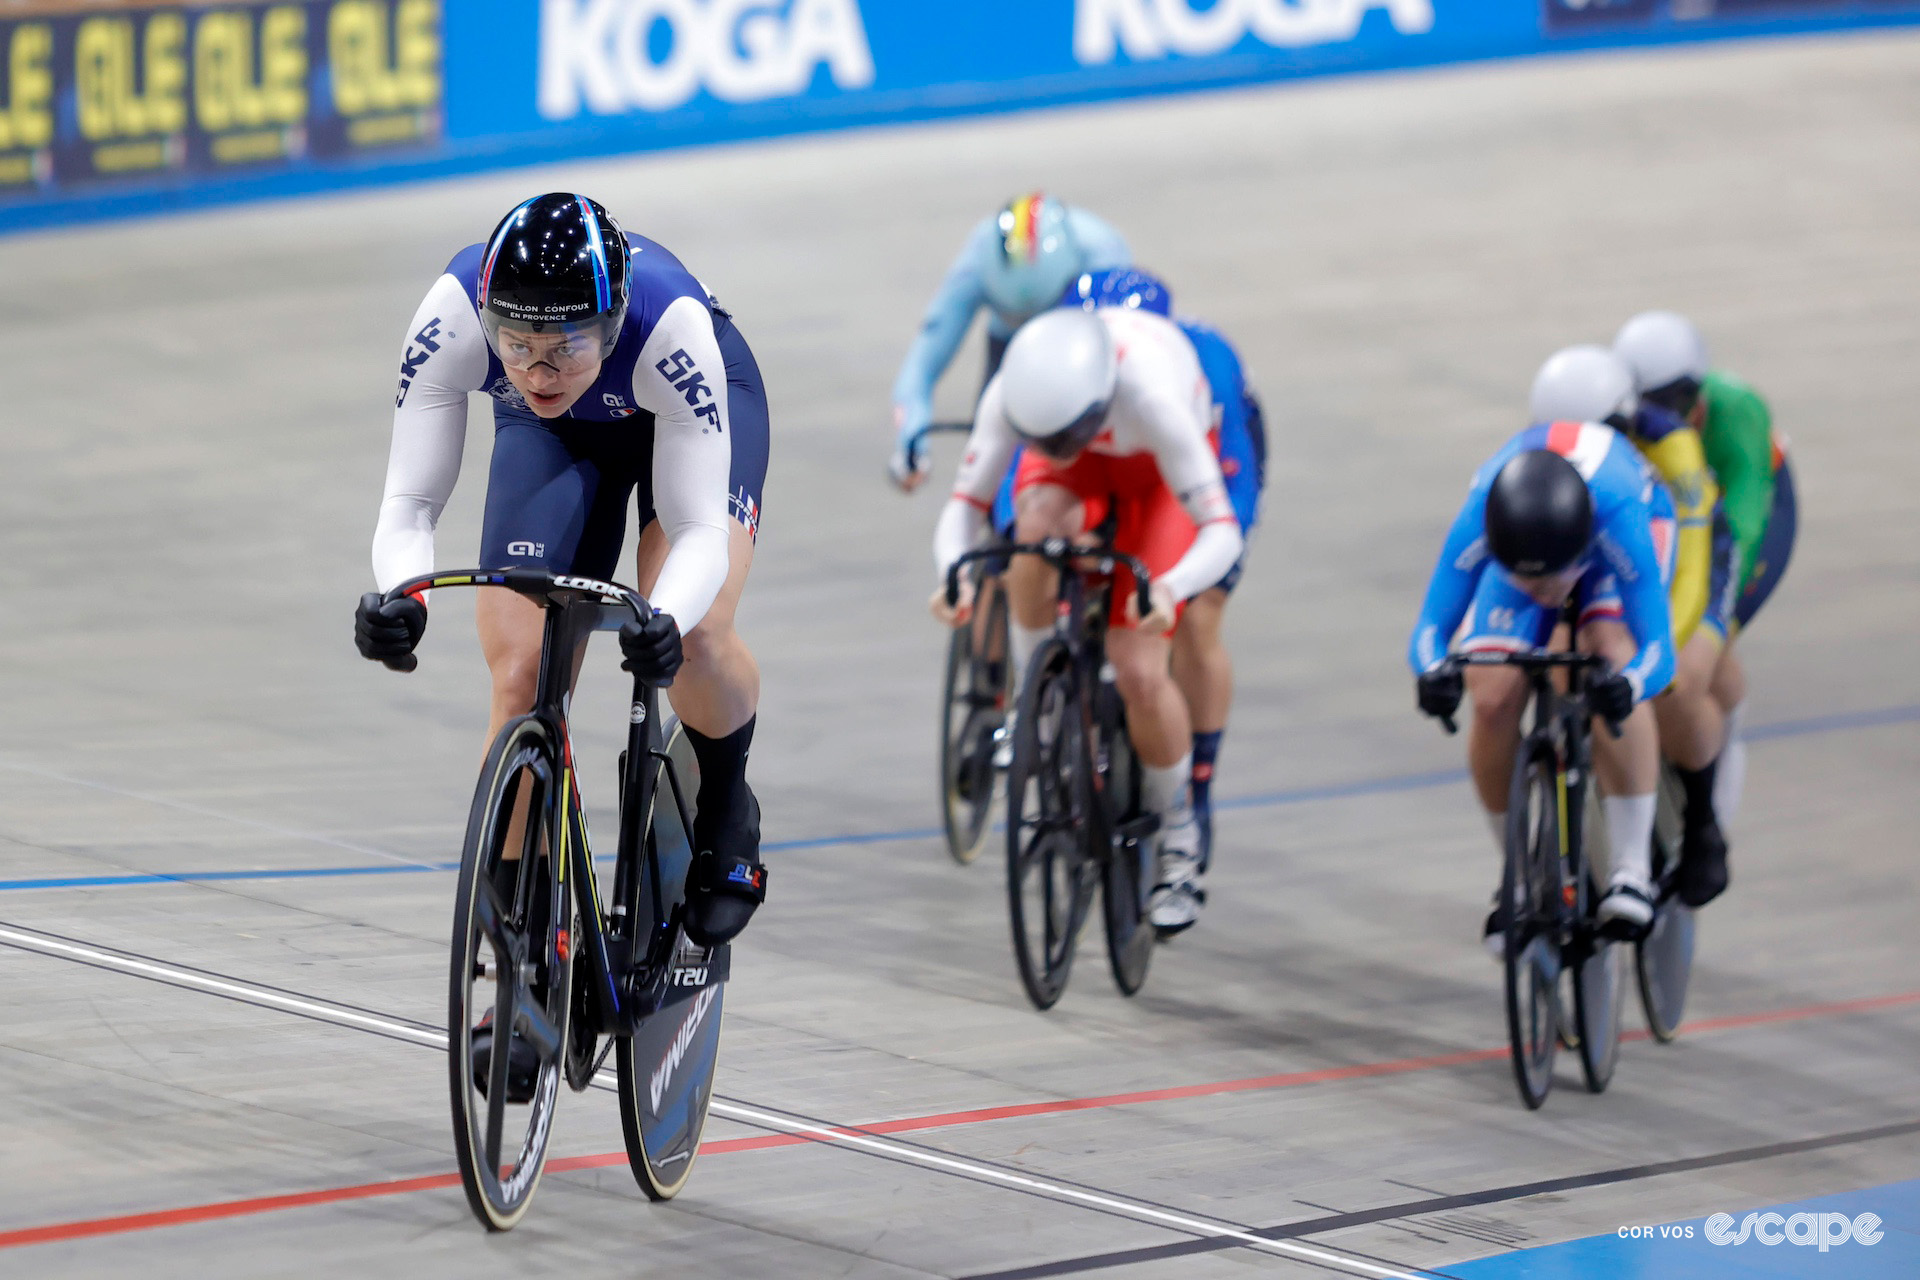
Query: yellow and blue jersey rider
{"x": 1592, "y": 384}
{"x": 1675, "y": 380}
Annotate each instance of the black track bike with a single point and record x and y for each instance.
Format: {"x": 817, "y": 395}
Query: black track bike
{"x": 973, "y": 705}
{"x": 1075, "y": 819}
{"x": 1548, "y": 889}
{"x": 537, "y": 951}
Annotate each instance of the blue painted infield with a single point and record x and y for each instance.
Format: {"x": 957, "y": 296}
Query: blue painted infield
{"x": 1272, "y": 799}
{"x": 1678, "y": 1256}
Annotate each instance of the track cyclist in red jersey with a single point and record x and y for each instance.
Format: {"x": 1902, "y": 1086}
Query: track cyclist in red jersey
{"x": 1114, "y": 411}
{"x": 1671, "y": 370}
{"x": 611, "y": 371}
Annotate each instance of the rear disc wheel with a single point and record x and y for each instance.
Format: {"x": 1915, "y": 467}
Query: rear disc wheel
{"x": 1130, "y": 869}
{"x": 666, "y": 1066}
{"x": 1663, "y": 959}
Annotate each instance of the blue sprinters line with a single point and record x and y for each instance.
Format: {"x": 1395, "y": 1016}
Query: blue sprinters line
{"x": 1265, "y": 800}
{"x": 1828, "y": 724}
{"x": 191, "y": 877}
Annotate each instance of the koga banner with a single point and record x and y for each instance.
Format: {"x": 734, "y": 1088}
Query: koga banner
{"x": 715, "y": 66}
{"x": 615, "y": 56}
{"x": 117, "y": 106}
{"x": 102, "y": 95}
{"x": 1680, "y": 17}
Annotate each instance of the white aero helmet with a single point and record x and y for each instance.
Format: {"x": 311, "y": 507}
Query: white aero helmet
{"x": 1667, "y": 355}
{"x": 1035, "y": 256}
{"x": 1584, "y": 384}
{"x": 1057, "y": 380}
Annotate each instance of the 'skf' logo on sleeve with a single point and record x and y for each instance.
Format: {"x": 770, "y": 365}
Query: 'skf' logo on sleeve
{"x": 411, "y": 361}
{"x": 690, "y": 382}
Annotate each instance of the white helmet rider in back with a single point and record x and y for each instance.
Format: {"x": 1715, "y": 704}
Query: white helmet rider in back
{"x": 1584, "y": 384}
{"x": 1058, "y": 379}
{"x": 1665, "y": 352}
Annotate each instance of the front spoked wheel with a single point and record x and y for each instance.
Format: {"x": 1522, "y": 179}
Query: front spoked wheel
{"x": 666, "y": 1066}
{"x": 1129, "y": 873}
{"x": 1663, "y": 960}
{"x": 1530, "y": 894}
{"x": 1050, "y": 878}
{"x": 509, "y": 989}
{"x": 971, "y": 714}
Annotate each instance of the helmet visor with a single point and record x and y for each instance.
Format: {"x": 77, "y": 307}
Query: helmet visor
{"x": 1677, "y": 397}
{"x": 1067, "y": 442}
{"x": 567, "y": 348}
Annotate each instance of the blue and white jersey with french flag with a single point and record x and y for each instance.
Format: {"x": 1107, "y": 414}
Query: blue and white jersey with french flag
{"x": 666, "y": 375}
{"x": 1628, "y": 561}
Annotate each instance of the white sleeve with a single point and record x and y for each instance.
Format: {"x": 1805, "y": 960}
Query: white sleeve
{"x": 681, "y": 379}
{"x": 1189, "y": 467}
{"x": 443, "y": 359}
{"x": 963, "y": 522}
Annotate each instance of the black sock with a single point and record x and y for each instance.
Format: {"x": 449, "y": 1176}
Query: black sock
{"x": 723, "y": 778}
{"x": 1698, "y": 784}
{"x": 1206, "y": 750}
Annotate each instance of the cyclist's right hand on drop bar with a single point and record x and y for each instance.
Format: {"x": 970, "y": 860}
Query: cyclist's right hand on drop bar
{"x": 1439, "y": 690}
{"x": 389, "y": 632}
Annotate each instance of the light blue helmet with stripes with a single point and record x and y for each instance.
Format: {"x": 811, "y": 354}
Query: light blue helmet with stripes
{"x": 557, "y": 264}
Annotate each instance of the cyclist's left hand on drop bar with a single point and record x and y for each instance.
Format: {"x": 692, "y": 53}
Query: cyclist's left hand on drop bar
{"x": 1165, "y": 610}
{"x": 1611, "y": 697}
{"x": 651, "y": 650}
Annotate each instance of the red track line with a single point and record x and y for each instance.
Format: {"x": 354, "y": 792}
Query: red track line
{"x": 225, "y": 1209}
{"x": 907, "y": 1124}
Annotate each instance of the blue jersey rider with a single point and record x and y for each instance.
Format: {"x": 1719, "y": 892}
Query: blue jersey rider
{"x": 1566, "y": 513}
{"x": 1015, "y": 263}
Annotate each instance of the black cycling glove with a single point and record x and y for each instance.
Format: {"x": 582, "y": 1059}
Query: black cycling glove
{"x": 1439, "y": 690}
{"x": 388, "y": 632}
{"x": 1611, "y": 697}
{"x": 652, "y": 649}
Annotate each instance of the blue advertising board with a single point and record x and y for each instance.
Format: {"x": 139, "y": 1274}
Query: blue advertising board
{"x": 113, "y": 107}
{"x": 102, "y": 100}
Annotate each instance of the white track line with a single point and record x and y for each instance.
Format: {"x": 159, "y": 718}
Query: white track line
{"x": 327, "y": 1011}
{"x": 324, "y": 1011}
{"x": 1110, "y": 1204}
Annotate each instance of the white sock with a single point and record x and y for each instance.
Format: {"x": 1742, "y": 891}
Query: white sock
{"x": 1165, "y": 790}
{"x": 1497, "y": 823}
{"x": 1731, "y": 780}
{"x": 1630, "y": 836}
{"x": 1021, "y": 642}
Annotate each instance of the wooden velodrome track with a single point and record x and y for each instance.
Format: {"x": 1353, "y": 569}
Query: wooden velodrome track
{"x": 223, "y": 836}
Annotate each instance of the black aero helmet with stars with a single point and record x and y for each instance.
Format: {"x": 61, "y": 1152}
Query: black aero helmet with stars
{"x": 1539, "y": 514}
{"x": 558, "y": 263}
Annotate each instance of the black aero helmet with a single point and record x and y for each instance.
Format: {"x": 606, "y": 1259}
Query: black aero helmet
{"x": 1539, "y": 514}
{"x": 558, "y": 263}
